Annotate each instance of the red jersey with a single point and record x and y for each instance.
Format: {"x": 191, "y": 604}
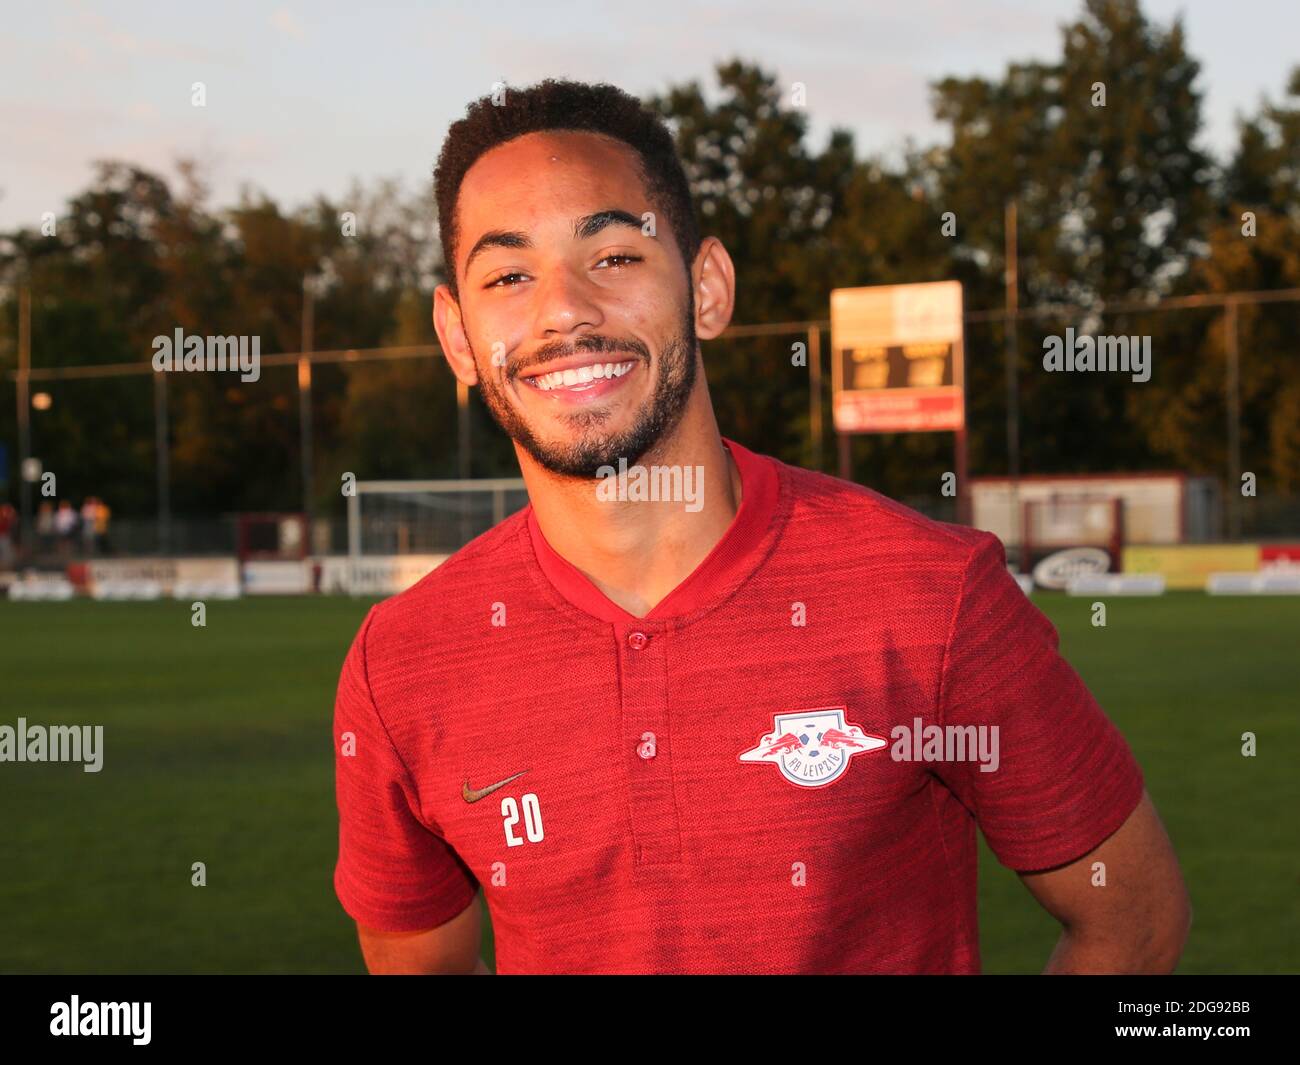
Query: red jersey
{"x": 780, "y": 769}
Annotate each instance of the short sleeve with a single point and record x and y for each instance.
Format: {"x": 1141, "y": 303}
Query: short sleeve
{"x": 1065, "y": 777}
{"x": 394, "y": 873}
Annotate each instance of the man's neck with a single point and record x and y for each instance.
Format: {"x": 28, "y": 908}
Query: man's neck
{"x": 636, "y": 552}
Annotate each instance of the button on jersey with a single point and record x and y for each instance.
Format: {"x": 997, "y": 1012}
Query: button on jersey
{"x": 780, "y": 769}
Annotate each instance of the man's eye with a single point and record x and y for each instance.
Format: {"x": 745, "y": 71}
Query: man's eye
{"x": 617, "y": 259}
{"x": 619, "y": 255}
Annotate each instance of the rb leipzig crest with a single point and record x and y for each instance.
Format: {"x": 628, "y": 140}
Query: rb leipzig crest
{"x": 813, "y": 747}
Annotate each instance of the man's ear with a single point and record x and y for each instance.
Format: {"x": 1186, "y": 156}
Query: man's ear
{"x": 714, "y": 276}
{"x": 451, "y": 335}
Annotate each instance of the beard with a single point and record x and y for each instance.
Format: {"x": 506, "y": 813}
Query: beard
{"x": 595, "y": 446}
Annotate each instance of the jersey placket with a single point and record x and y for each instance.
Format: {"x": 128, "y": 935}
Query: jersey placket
{"x": 643, "y": 724}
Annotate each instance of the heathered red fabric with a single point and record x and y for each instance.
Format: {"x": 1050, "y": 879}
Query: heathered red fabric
{"x": 693, "y": 861}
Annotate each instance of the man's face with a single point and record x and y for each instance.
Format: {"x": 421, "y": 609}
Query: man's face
{"x": 581, "y": 327}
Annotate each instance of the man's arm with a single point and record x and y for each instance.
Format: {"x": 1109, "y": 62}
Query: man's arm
{"x": 449, "y": 949}
{"x": 1138, "y": 922}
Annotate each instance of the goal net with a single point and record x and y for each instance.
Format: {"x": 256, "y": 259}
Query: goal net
{"x": 388, "y": 518}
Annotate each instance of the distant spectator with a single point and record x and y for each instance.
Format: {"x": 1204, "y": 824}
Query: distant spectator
{"x": 102, "y": 516}
{"x": 89, "y": 512}
{"x": 45, "y": 527}
{"x": 65, "y": 526}
{"x": 8, "y": 522}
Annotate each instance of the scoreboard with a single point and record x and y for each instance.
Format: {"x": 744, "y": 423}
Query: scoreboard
{"x": 897, "y": 358}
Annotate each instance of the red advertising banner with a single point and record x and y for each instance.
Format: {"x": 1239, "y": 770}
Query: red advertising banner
{"x": 1279, "y": 556}
{"x": 899, "y": 410}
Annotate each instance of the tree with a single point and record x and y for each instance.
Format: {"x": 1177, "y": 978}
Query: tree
{"x": 1254, "y": 246}
{"x": 797, "y": 222}
{"x": 1099, "y": 150}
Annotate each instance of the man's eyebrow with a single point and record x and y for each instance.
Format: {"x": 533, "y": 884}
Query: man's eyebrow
{"x": 590, "y": 225}
{"x": 586, "y": 226}
{"x": 498, "y": 238}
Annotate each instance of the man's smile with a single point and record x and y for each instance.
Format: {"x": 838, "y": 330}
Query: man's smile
{"x": 581, "y": 379}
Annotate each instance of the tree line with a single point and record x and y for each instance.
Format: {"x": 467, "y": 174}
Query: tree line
{"x": 1117, "y": 200}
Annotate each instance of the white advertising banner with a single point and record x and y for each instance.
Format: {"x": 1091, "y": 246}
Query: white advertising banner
{"x": 124, "y": 578}
{"x": 374, "y": 575}
{"x": 278, "y": 577}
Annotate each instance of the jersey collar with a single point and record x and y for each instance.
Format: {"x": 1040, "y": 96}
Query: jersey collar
{"x": 733, "y": 558}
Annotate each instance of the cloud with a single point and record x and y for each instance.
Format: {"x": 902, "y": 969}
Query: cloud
{"x": 287, "y": 23}
{"x": 93, "y": 41}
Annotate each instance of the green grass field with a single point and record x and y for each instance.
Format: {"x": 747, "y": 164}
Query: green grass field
{"x": 217, "y": 749}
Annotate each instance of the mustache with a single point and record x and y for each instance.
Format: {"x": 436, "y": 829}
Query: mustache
{"x": 586, "y": 345}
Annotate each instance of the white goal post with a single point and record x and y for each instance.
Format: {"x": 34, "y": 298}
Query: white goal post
{"x": 427, "y": 517}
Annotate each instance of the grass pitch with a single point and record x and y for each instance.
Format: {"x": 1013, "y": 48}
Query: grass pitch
{"x": 217, "y": 749}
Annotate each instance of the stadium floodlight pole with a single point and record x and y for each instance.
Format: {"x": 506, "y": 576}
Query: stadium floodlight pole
{"x": 1013, "y": 381}
{"x": 354, "y": 540}
{"x": 814, "y": 396}
{"x": 462, "y": 446}
{"x": 162, "y": 463}
{"x": 1234, "y": 419}
{"x": 304, "y": 402}
{"x": 25, "y": 415}
{"x": 961, "y": 450}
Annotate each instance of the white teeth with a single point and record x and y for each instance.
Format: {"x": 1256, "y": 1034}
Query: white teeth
{"x": 581, "y": 376}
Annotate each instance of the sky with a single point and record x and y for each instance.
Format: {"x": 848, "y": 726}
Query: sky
{"x": 304, "y": 98}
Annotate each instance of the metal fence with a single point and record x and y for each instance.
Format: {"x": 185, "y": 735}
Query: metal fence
{"x": 415, "y": 524}
{"x": 1269, "y": 516}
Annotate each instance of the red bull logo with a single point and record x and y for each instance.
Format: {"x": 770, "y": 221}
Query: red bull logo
{"x": 813, "y": 747}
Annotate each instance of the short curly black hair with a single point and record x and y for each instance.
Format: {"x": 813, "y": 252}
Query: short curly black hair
{"x": 559, "y": 104}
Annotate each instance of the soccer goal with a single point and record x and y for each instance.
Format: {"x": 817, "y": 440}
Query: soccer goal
{"x": 387, "y": 518}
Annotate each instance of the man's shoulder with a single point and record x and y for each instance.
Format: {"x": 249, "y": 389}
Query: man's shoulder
{"x": 841, "y": 516}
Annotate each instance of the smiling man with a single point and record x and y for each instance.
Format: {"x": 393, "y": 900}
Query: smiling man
{"x": 674, "y": 740}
